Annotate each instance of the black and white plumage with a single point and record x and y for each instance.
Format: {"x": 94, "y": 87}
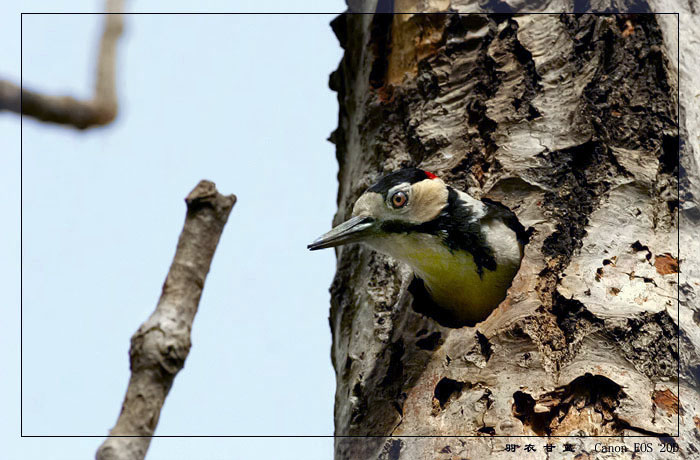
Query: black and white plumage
{"x": 465, "y": 250}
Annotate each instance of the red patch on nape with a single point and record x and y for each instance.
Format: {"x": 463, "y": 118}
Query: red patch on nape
{"x": 430, "y": 175}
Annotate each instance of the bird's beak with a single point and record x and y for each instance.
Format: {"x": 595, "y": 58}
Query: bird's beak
{"x": 353, "y": 230}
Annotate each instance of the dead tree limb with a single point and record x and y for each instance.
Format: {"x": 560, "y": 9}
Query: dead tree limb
{"x": 66, "y": 110}
{"x": 160, "y": 346}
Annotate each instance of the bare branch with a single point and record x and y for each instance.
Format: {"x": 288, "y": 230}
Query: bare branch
{"x": 160, "y": 346}
{"x": 98, "y": 111}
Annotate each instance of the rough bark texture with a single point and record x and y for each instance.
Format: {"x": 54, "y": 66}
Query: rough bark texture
{"x": 572, "y": 122}
{"x": 66, "y": 110}
{"x": 160, "y": 346}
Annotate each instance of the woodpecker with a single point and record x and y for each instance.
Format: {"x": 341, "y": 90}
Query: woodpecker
{"x": 466, "y": 251}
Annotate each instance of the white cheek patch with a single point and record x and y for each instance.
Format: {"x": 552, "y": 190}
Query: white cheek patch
{"x": 428, "y": 198}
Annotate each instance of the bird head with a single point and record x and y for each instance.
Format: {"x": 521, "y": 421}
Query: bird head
{"x": 466, "y": 251}
{"x": 400, "y": 202}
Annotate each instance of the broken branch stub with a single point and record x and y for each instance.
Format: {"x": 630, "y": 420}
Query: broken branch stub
{"x": 161, "y": 344}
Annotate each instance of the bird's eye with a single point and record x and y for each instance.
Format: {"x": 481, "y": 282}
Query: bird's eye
{"x": 399, "y": 200}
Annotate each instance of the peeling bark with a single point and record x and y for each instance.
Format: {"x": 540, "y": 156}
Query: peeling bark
{"x": 66, "y": 110}
{"x": 572, "y": 122}
{"x": 161, "y": 344}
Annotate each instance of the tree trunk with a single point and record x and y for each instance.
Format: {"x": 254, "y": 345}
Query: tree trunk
{"x": 572, "y": 122}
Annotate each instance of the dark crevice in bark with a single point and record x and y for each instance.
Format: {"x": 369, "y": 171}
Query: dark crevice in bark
{"x": 457, "y": 38}
{"x": 394, "y": 370}
{"x": 380, "y": 39}
{"x": 446, "y": 391}
{"x": 650, "y": 342}
{"x": 637, "y": 246}
{"x": 488, "y": 81}
{"x": 484, "y": 345}
{"x": 489, "y": 430}
{"x": 531, "y": 81}
{"x": 427, "y": 81}
{"x": 359, "y": 409}
{"x": 431, "y": 342}
{"x": 524, "y": 410}
{"x": 669, "y": 158}
{"x": 573, "y": 318}
{"x": 555, "y": 409}
{"x": 392, "y": 450}
{"x": 578, "y": 175}
{"x": 663, "y": 437}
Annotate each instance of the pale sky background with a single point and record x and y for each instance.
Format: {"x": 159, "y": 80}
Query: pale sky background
{"x": 238, "y": 99}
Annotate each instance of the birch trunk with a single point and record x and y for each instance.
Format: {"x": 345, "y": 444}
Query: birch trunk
{"x": 572, "y": 121}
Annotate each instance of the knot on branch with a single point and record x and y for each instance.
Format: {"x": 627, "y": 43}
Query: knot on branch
{"x": 159, "y": 347}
